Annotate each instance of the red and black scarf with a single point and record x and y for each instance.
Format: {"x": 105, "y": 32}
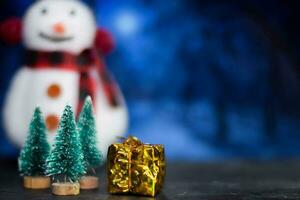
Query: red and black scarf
{"x": 84, "y": 63}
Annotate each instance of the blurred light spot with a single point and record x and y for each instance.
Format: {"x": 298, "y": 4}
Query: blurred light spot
{"x": 126, "y": 23}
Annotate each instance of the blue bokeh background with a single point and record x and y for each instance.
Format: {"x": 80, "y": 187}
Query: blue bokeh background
{"x": 210, "y": 80}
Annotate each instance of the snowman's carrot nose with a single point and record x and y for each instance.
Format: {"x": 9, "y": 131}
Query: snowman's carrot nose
{"x": 59, "y": 28}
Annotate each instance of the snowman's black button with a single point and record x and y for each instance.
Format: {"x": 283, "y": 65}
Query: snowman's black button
{"x": 56, "y": 58}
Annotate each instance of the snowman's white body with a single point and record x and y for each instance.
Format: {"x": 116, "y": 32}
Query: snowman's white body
{"x": 29, "y": 86}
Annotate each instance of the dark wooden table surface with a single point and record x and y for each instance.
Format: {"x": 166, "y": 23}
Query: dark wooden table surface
{"x": 227, "y": 180}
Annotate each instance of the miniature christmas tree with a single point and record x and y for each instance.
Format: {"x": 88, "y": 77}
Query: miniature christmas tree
{"x": 32, "y": 160}
{"x": 87, "y": 133}
{"x": 66, "y": 159}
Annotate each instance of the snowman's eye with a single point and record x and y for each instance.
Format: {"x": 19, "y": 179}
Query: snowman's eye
{"x": 44, "y": 11}
{"x": 73, "y": 12}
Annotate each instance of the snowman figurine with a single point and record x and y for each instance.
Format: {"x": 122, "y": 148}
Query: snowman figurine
{"x": 62, "y": 65}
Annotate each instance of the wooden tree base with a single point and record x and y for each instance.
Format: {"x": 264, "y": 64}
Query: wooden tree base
{"x": 89, "y": 182}
{"x": 36, "y": 182}
{"x": 65, "y": 189}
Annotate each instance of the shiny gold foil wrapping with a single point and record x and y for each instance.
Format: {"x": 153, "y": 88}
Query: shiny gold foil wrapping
{"x": 136, "y": 168}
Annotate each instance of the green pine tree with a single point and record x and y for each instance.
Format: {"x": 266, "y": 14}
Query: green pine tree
{"x": 66, "y": 158}
{"x": 87, "y": 133}
{"x": 32, "y": 160}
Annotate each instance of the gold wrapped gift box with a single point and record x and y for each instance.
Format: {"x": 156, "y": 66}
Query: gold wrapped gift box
{"x": 136, "y": 168}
